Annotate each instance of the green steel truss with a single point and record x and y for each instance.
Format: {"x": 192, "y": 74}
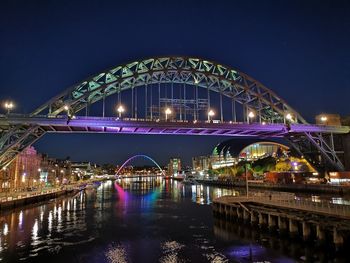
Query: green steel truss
{"x": 193, "y": 71}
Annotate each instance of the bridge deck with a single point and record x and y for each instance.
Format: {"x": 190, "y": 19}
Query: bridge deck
{"x": 141, "y": 126}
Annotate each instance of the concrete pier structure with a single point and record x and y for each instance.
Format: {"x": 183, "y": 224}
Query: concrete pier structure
{"x": 285, "y": 216}
{"x": 306, "y": 230}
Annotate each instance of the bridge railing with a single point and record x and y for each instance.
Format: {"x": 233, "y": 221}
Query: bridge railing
{"x": 285, "y": 200}
{"x": 325, "y": 207}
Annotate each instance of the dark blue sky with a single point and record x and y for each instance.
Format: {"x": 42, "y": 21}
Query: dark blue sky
{"x": 299, "y": 49}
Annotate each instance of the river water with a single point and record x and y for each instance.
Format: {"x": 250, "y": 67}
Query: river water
{"x": 152, "y": 220}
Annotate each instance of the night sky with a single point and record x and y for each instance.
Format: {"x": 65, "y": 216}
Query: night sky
{"x": 299, "y": 49}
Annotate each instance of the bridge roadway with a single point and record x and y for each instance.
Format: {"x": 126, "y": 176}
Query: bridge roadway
{"x": 61, "y": 124}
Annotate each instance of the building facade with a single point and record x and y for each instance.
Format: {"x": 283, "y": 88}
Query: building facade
{"x": 174, "y": 167}
{"x": 23, "y": 172}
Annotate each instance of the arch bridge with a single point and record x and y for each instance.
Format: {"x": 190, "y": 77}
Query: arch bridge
{"x": 177, "y": 96}
{"x": 139, "y": 156}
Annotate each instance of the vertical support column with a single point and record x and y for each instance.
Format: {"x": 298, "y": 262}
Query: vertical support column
{"x": 87, "y": 109}
{"x": 282, "y": 224}
{"x": 208, "y": 97}
{"x": 103, "y": 104}
{"x": 262, "y": 220}
{"x": 227, "y": 210}
{"x": 293, "y": 227}
{"x": 233, "y": 106}
{"x": 172, "y": 97}
{"x": 132, "y": 102}
{"x": 233, "y": 212}
{"x": 135, "y": 103}
{"x": 271, "y": 221}
{"x": 159, "y": 99}
{"x": 306, "y": 231}
{"x": 246, "y": 215}
{"x": 196, "y": 95}
{"x": 185, "y": 118}
{"x": 221, "y": 111}
{"x": 244, "y": 111}
{"x": 180, "y": 103}
{"x": 146, "y": 101}
{"x": 151, "y": 101}
{"x": 337, "y": 238}
{"x": 239, "y": 213}
{"x": 253, "y": 218}
{"x": 320, "y": 234}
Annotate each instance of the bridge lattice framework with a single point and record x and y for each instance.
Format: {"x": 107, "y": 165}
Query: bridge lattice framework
{"x": 189, "y": 88}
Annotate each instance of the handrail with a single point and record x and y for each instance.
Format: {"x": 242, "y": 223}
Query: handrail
{"x": 36, "y": 193}
{"x": 286, "y": 201}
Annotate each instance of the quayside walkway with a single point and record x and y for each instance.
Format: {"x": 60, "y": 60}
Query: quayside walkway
{"x": 12, "y": 200}
{"x": 284, "y": 212}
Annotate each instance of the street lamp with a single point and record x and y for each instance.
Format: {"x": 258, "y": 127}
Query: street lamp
{"x": 9, "y": 106}
{"x": 324, "y": 119}
{"x": 167, "y": 112}
{"x": 251, "y": 115}
{"x": 289, "y": 117}
{"x": 211, "y": 113}
{"x": 66, "y": 107}
{"x": 120, "y": 110}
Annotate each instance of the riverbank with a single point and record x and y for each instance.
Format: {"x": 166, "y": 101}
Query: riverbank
{"x": 306, "y": 188}
{"x": 35, "y": 197}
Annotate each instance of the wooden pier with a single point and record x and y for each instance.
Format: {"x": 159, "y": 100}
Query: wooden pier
{"x": 287, "y": 214}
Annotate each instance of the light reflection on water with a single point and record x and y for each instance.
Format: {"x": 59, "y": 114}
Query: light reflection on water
{"x": 129, "y": 220}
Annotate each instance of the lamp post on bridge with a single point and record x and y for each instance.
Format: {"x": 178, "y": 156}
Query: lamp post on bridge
{"x": 211, "y": 113}
{"x": 9, "y": 106}
{"x": 324, "y": 120}
{"x": 167, "y": 112}
{"x": 251, "y": 115}
{"x": 120, "y": 110}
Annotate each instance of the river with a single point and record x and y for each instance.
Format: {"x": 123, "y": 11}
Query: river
{"x": 152, "y": 220}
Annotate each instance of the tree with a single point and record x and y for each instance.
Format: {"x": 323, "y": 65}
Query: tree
{"x": 283, "y": 166}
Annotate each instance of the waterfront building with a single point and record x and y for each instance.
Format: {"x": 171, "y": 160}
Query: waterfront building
{"x": 200, "y": 163}
{"x": 82, "y": 170}
{"x": 174, "y": 167}
{"x": 23, "y": 172}
{"x": 231, "y": 152}
{"x": 328, "y": 119}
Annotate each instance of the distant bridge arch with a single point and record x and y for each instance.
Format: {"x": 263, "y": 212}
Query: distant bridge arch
{"x": 139, "y": 156}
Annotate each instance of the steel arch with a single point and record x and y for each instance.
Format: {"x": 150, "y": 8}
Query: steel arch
{"x": 138, "y": 156}
{"x": 175, "y": 69}
{"x": 193, "y": 71}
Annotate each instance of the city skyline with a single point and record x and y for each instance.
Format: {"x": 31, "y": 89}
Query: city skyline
{"x": 35, "y": 49}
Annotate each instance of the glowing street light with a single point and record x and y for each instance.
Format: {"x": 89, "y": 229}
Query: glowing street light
{"x": 167, "y": 112}
{"x": 9, "y": 106}
{"x": 324, "y": 119}
{"x": 211, "y": 113}
{"x": 120, "y": 110}
{"x": 289, "y": 117}
{"x": 24, "y": 177}
{"x": 251, "y": 115}
{"x": 66, "y": 107}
